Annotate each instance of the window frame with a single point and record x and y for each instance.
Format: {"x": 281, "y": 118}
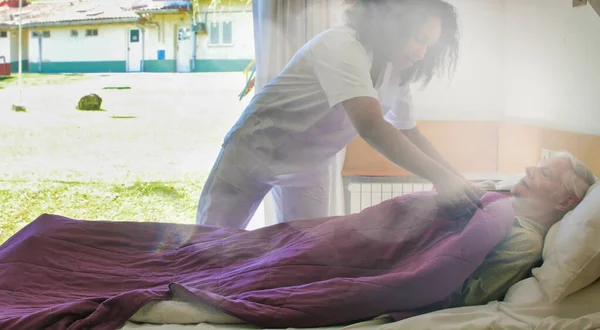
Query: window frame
{"x": 91, "y": 33}
{"x": 220, "y": 25}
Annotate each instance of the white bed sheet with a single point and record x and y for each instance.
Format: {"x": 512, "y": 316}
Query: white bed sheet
{"x": 524, "y": 308}
{"x": 182, "y": 314}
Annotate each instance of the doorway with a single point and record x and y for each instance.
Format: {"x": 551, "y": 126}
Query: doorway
{"x": 134, "y": 51}
{"x": 184, "y": 48}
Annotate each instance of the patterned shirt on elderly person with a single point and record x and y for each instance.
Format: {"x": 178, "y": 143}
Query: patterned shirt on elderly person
{"x": 540, "y": 200}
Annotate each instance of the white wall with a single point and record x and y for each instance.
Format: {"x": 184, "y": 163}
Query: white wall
{"x": 242, "y": 34}
{"x": 5, "y": 47}
{"x": 476, "y": 91}
{"x": 553, "y": 64}
{"x": 109, "y": 45}
{"x": 9, "y": 46}
{"x": 532, "y": 61}
{"x": 14, "y": 45}
{"x": 165, "y": 37}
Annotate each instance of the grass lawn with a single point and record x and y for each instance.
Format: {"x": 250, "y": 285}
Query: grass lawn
{"x": 23, "y": 201}
{"x": 37, "y": 79}
{"x": 144, "y": 157}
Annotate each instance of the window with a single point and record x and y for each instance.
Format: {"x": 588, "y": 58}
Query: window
{"x": 227, "y": 33}
{"x": 134, "y": 36}
{"x": 3, "y": 34}
{"x": 221, "y": 33}
{"x": 214, "y": 34}
{"x": 44, "y": 34}
{"x": 91, "y": 32}
{"x": 74, "y": 33}
{"x": 184, "y": 33}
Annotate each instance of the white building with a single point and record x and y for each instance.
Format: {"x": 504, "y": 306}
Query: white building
{"x": 215, "y": 41}
{"x": 128, "y": 36}
{"x": 9, "y": 39}
{"x": 9, "y": 42}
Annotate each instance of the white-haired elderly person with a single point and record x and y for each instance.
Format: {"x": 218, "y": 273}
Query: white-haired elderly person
{"x": 540, "y": 199}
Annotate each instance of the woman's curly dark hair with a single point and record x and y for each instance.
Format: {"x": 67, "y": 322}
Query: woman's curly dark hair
{"x": 383, "y": 23}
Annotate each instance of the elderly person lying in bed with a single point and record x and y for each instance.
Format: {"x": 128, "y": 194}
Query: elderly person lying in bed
{"x": 540, "y": 199}
{"x": 402, "y": 257}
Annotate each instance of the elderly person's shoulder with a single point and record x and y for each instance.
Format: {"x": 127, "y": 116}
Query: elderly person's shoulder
{"x": 528, "y": 232}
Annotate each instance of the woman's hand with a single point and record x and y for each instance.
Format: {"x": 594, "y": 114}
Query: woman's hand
{"x": 454, "y": 191}
{"x": 477, "y": 189}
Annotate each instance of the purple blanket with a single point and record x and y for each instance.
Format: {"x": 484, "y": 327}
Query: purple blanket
{"x": 396, "y": 257}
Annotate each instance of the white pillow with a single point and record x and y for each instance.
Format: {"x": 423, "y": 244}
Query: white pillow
{"x": 572, "y": 250}
{"x": 528, "y": 295}
{"x": 526, "y": 292}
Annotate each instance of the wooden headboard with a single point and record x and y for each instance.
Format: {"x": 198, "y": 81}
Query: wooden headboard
{"x": 483, "y": 147}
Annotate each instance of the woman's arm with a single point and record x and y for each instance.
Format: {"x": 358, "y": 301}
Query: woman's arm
{"x": 366, "y": 116}
{"x": 415, "y": 136}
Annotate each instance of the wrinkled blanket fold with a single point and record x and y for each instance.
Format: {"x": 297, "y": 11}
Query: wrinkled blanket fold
{"x": 396, "y": 257}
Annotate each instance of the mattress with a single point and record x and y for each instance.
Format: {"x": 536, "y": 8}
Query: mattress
{"x": 524, "y": 308}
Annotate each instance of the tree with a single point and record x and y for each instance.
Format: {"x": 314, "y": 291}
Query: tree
{"x": 218, "y": 3}
{"x": 198, "y": 6}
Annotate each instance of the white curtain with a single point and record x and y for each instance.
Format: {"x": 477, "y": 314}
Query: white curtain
{"x": 281, "y": 27}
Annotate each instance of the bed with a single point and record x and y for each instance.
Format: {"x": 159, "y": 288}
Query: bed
{"x": 525, "y": 307}
{"x": 563, "y": 293}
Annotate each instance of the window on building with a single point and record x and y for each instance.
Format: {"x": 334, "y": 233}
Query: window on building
{"x": 44, "y": 34}
{"x": 134, "y": 36}
{"x": 214, "y": 34}
{"x": 3, "y": 34}
{"x": 74, "y": 33}
{"x": 221, "y": 33}
{"x": 91, "y": 32}
{"x": 227, "y": 33}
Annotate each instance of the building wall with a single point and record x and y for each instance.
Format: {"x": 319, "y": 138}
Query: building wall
{"x": 107, "y": 52}
{"x": 14, "y": 44}
{"x": 227, "y": 57}
{"x": 14, "y": 47}
{"x": 529, "y": 67}
{"x": 5, "y": 46}
{"x": 234, "y": 56}
{"x": 476, "y": 91}
{"x": 163, "y": 38}
{"x": 9, "y": 48}
{"x": 534, "y": 62}
{"x": 553, "y": 71}
{"x": 62, "y": 52}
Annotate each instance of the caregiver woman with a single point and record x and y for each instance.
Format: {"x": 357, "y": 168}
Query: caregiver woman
{"x": 349, "y": 80}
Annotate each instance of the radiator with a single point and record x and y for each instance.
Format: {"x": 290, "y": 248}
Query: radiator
{"x": 363, "y": 191}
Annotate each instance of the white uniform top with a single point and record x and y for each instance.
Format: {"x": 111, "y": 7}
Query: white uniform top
{"x": 293, "y": 124}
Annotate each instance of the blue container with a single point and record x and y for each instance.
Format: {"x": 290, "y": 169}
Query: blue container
{"x": 161, "y": 54}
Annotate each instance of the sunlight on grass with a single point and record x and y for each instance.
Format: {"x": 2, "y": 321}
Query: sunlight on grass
{"x": 143, "y": 159}
{"x": 38, "y": 79}
{"x": 22, "y": 202}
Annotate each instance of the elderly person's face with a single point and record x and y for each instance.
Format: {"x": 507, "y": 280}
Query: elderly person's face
{"x": 542, "y": 191}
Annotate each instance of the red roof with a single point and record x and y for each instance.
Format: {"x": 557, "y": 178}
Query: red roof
{"x": 12, "y": 3}
{"x": 61, "y": 12}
